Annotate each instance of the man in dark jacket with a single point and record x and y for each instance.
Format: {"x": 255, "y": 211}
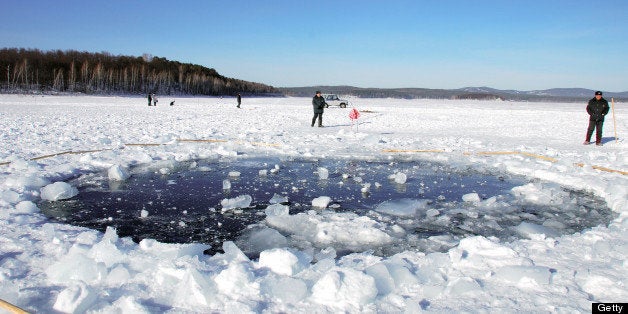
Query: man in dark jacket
{"x": 597, "y": 109}
{"x": 239, "y": 98}
{"x": 318, "y": 102}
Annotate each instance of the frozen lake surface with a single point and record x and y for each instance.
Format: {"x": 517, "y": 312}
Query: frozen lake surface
{"x": 492, "y": 206}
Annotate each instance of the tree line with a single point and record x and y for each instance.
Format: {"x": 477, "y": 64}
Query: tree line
{"x": 28, "y": 70}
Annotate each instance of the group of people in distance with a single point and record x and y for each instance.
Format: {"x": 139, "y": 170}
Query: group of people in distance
{"x": 597, "y": 108}
{"x": 152, "y": 98}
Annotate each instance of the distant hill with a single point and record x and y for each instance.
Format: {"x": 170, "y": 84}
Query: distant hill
{"x": 554, "y": 94}
{"x": 32, "y": 70}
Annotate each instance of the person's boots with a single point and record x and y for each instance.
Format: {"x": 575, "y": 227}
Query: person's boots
{"x": 320, "y": 122}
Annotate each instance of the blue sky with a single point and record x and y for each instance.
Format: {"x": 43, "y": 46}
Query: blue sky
{"x": 523, "y": 45}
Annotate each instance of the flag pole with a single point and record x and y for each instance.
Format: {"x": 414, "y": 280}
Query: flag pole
{"x": 614, "y": 124}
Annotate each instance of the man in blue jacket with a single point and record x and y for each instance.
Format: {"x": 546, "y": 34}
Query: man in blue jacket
{"x": 597, "y": 109}
{"x": 318, "y": 102}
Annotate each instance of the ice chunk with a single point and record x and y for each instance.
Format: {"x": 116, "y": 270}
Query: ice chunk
{"x": 11, "y": 197}
{"x": 471, "y": 198}
{"x": 462, "y": 286}
{"x": 118, "y": 275}
{"x": 233, "y": 253}
{"x": 277, "y": 210}
{"x": 399, "y": 177}
{"x": 76, "y": 298}
{"x": 519, "y": 274}
{"x": 404, "y": 207}
{"x": 236, "y": 279}
{"x": 339, "y": 287}
{"x": 143, "y": 213}
{"x": 527, "y": 229}
{"x": 193, "y": 290}
{"x": 321, "y": 202}
{"x": 26, "y": 207}
{"x": 276, "y": 199}
{"x": 58, "y": 191}
{"x": 280, "y": 261}
{"x": 256, "y": 240}
{"x": 323, "y": 173}
{"x": 118, "y": 173}
{"x": 366, "y": 187}
{"x": 537, "y": 193}
{"x": 383, "y": 281}
{"x": 326, "y": 253}
{"x": 401, "y": 275}
{"x": 288, "y": 290}
{"x": 432, "y": 212}
{"x": 26, "y": 181}
{"x": 242, "y": 201}
{"x": 125, "y": 304}
{"x": 234, "y": 174}
{"x": 343, "y": 231}
{"x": 171, "y": 250}
{"x": 479, "y": 251}
{"x": 226, "y": 184}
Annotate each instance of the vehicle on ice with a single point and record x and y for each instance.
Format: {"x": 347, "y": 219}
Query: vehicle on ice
{"x": 334, "y": 100}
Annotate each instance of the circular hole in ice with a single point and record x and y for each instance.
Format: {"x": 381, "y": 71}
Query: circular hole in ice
{"x": 369, "y": 206}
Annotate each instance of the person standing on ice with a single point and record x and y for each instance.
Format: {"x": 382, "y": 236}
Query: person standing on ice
{"x": 318, "y": 102}
{"x": 597, "y": 109}
{"x": 154, "y": 100}
{"x": 239, "y": 100}
{"x": 150, "y": 99}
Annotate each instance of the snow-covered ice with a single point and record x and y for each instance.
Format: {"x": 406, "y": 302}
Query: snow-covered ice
{"x": 302, "y": 264}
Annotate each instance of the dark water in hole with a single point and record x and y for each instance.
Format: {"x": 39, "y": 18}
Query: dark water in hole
{"x": 183, "y": 199}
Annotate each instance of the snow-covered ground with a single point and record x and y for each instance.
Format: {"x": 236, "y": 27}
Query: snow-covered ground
{"x": 48, "y": 267}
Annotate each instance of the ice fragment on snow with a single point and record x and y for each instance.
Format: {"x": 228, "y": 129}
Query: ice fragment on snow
{"x": 344, "y": 286}
{"x": 58, "y": 191}
{"x": 26, "y": 207}
{"x": 280, "y": 261}
{"x": 519, "y": 274}
{"x": 76, "y": 298}
{"x": 286, "y": 289}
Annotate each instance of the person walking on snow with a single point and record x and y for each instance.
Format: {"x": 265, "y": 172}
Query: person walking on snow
{"x": 597, "y": 108}
{"x": 318, "y": 102}
{"x": 239, "y": 100}
{"x": 155, "y": 100}
{"x": 150, "y": 99}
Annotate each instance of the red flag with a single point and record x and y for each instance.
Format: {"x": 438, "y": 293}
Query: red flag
{"x": 354, "y": 114}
